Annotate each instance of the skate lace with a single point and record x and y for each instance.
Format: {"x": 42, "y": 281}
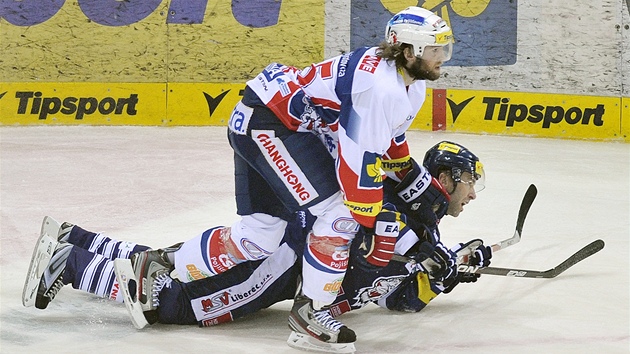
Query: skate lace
{"x": 161, "y": 281}
{"x": 324, "y": 318}
{"x": 54, "y": 289}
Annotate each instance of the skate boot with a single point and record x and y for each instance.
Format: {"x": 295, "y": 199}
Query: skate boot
{"x": 52, "y": 279}
{"x": 50, "y": 235}
{"x": 64, "y": 232}
{"x": 317, "y": 330}
{"x": 147, "y": 267}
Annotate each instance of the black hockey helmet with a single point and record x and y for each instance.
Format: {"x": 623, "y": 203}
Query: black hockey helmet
{"x": 457, "y": 159}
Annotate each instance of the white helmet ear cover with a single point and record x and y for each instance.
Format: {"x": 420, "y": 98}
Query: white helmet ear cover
{"x": 420, "y": 28}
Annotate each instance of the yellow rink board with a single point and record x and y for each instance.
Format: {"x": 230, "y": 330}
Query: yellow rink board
{"x": 70, "y": 103}
{"x": 202, "y": 104}
{"x": 545, "y": 115}
{"x": 199, "y": 104}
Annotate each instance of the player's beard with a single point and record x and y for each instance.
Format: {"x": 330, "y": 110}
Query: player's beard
{"x": 419, "y": 71}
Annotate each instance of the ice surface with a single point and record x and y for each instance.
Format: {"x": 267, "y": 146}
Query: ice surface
{"x": 159, "y": 186}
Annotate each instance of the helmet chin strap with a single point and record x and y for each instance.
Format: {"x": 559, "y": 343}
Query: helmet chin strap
{"x": 454, "y": 188}
{"x": 455, "y": 185}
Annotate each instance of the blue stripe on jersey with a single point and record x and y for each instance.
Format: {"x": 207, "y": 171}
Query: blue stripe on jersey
{"x": 96, "y": 269}
{"x": 345, "y": 72}
{"x": 312, "y": 260}
{"x": 343, "y": 88}
{"x": 399, "y": 139}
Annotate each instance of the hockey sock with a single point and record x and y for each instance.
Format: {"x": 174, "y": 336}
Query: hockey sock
{"x": 103, "y": 245}
{"x": 92, "y": 273}
{"x": 324, "y": 268}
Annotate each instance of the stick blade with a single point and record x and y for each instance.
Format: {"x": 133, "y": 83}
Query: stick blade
{"x": 528, "y": 200}
{"x": 578, "y": 256}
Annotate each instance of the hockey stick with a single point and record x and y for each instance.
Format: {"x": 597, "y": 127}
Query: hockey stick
{"x": 526, "y": 203}
{"x": 578, "y": 256}
{"x": 528, "y": 199}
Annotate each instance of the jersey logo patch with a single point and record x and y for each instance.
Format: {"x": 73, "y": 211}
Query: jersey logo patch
{"x": 369, "y": 63}
{"x": 371, "y": 174}
{"x": 380, "y": 287}
{"x": 239, "y": 120}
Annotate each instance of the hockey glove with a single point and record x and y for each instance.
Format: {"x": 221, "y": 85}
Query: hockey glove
{"x": 425, "y": 198}
{"x": 481, "y": 257}
{"x": 381, "y": 240}
{"x": 474, "y": 254}
{"x": 446, "y": 272}
{"x": 434, "y": 258}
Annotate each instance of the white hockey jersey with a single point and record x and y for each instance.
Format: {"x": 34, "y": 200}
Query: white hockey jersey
{"x": 359, "y": 106}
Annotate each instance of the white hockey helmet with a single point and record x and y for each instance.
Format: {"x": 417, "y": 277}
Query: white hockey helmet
{"x": 428, "y": 33}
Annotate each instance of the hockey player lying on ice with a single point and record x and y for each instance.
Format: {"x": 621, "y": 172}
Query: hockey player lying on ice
{"x": 195, "y": 282}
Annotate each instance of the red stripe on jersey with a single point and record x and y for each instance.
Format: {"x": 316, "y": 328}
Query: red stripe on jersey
{"x": 326, "y": 103}
{"x": 279, "y": 105}
{"x": 398, "y": 151}
{"x": 219, "y": 260}
{"x": 226, "y": 317}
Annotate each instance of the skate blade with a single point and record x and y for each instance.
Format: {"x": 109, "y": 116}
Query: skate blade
{"x": 308, "y": 343}
{"x": 44, "y": 248}
{"x": 125, "y": 276}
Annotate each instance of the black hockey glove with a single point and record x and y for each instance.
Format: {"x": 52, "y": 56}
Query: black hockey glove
{"x": 433, "y": 257}
{"x": 424, "y": 198}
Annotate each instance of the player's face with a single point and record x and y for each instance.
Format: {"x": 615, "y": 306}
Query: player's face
{"x": 464, "y": 192}
{"x": 421, "y": 69}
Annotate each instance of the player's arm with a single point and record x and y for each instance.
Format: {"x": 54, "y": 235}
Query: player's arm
{"x": 421, "y": 287}
{"x": 397, "y": 161}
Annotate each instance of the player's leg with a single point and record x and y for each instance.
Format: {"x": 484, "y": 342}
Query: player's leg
{"x": 255, "y": 236}
{"x": 84, "y": 270}
{"x": 301, "y": 172}
{"x": 324, "y": 265}
{"x": 98, "y": 242}
{"x": 263, "y": 214}
{"x": 277, "y": 173}
{"x": 245, "y": 289}
{"x": 49, "y": 263}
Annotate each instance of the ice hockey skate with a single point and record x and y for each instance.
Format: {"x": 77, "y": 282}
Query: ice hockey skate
{"x": 317, "y": 330}
{"x": 128, "y": 286}
{"x": 137, "y": 280}
{"x": 47, "y": 244}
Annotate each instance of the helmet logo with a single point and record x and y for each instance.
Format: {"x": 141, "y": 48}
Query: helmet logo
{"x": 449, "y": 147}
{"x": 407, "y": 18}
{"x": 393, "y": 38}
